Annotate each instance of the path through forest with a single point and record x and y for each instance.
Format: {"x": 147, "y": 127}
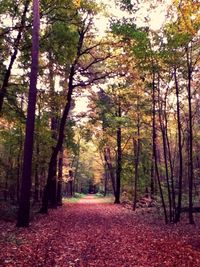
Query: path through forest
{"x": 92, "y": 232}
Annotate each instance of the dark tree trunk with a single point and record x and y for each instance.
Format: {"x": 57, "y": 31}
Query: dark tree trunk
{"x": 54, "y": 129}
{"x": 165, "y": 152}
{"x": 51, "y": 179}
{"x": 155, "y": 157}
{"x": 119, "y": 160}
{"x": 152, "y": 182}
{"x": 17, "y": 41}
{"x": 190, "y": 160}
{"x": 180, "y": 155}
{"x": 105, "y": 180}
{"x": 36, "y": 193}
{"x": 136, "y": 163}
{"x": 171, "y": 171}
{"x": 60, "y": 178}
{"x": 6, "y": 188}
{"x": 18, "y": 174}
{"x": 110, "y": 168}
{"x": 24, "y": 203}
{"x": 70, "y": 188}
{"x": 136, "y": 145}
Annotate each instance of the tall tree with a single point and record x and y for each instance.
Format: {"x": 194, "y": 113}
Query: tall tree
{"x": 88, "y": 56}
{"x": 24, "y": 203}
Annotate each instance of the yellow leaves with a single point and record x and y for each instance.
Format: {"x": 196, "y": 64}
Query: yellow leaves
{"x": 77, "y": 3}
{"x": 188, "y": 16}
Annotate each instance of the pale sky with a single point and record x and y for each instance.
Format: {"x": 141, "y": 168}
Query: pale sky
{"x": 157, "y": 18}
{"x": 156, "y": 14}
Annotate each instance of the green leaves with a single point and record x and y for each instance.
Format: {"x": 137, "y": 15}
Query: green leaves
{"x": 61, "y": 39}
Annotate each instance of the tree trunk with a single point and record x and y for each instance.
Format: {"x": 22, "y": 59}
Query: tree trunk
{"x": 4, "y": 86}
{"x": 60, "y": 180}
{"x": 154, "y": 137}
{"x": 119, "y": 160}
{"x": 52, "y": 164}
{"x": 51, "y": 179}
{"x": 180, "y": 155}
{"x": 24, "y": 203}
{"x": 136, "y": 145}
{"x": 54, "y": 128}
{"x": 36, "y": 193}
{"x": 110, "y": 168}
{"x": 105, "y": 180}
{"x": 190, "y": 160}
{"x": 171, "y": 170}
{"x": 165, "y": 152}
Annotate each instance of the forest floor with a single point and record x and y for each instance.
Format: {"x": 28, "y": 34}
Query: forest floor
{"x": 93, "y": 232}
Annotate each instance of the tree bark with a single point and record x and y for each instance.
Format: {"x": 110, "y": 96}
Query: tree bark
{"x": 154, "y": 137}
{"x": 165, "y": 152}
{"x": 136, "y": 145}
{"x": 110, "y": 168}
{"x": 60, "y": 178}
{"x": 180, "y": 155}
{"x": 24, "y": 203}
{"x": 52, "y": 164}
{"x": 119, "y": 159}
{"x": 54, "y": 128}
{"x": 190, "y": 160}
{"x": 36, "y": 193}
{"x": 53, "y": 161}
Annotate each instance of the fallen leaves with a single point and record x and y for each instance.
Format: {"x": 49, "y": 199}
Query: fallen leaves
{"x": 98, "y": 234}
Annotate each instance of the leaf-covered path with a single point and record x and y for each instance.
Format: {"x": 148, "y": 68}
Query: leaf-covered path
{"x": 93, "y": 233}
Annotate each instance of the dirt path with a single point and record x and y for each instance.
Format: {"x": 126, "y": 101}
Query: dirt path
{"x": 90, "y": 233}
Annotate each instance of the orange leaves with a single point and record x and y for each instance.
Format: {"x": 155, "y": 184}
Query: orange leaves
{"x": 189, "y": 16}
{"x": 77, "y": 3}
{"x": 93, "y": 234}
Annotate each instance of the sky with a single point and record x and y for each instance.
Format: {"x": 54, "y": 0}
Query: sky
{"x": 156, "y": 14}
{"x": 157, "y": 18}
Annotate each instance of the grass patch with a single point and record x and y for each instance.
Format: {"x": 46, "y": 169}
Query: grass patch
{"x": 74, "y": 199}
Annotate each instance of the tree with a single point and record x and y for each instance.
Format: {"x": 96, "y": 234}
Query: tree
{"x": 87, "y": 56}
{"x": 24, "y": 203}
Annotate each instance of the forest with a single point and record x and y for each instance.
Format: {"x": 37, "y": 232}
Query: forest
{"x": 100, "y": 100}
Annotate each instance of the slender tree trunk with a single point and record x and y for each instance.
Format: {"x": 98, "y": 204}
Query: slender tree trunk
{"x": 53, "y": 160}
{"x": 105, "y": 180}
{"x": 136, "y": 145}
{"x": 52, "y": 164}
{"x": 165, "y": 152}
{"x": 119, "y": 159}
{"x": 76, "y": 187}
{"x": 152, "y": 183}
{"x": 13, "y": 57}
{"x": 6, "y": 187}
{"x": 180, "y": 155}
{"x": 18, "y": 174}
{"x": 119, "y": 167}
{"x": 24, "y": 203}
{"x": 36, "y": 193}
{"x": 70, "y": 188}
{"x": 60, "y": 178}
{"x": 54, "y": 128}
{"x": 110, "y": 168}
{"x": 155, "y": 149}
{"x": 171, "y": 172}
{"x": 190, "y": 160}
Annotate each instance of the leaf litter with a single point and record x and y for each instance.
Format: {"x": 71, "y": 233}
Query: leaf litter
{"x": 87, "y": 234}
